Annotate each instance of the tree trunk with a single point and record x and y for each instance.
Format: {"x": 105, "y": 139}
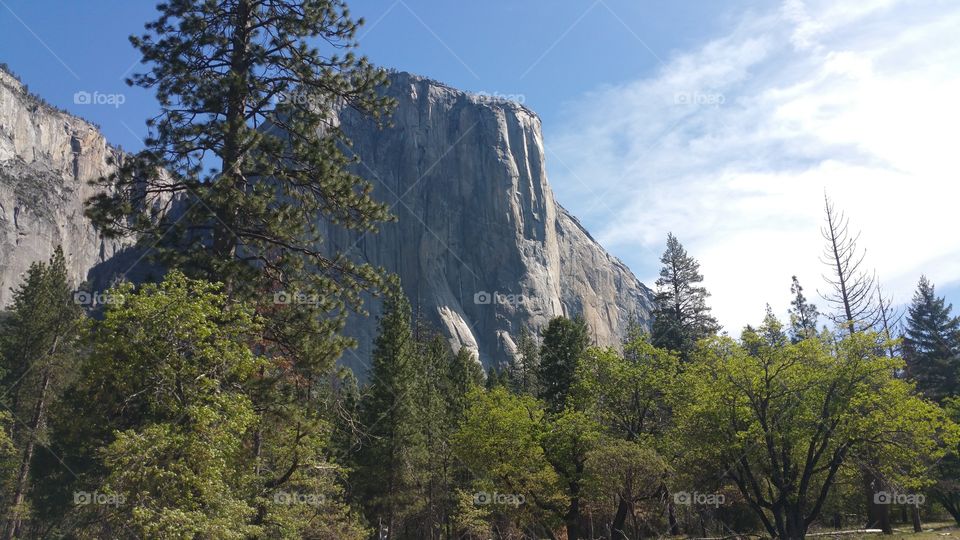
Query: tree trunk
{"x": 672, "y": 518}
{"x": 36, "y": 422}
{"x": 795, "y": 525}
{"x": 878, "y": 515}
{"x": 617, "y": 532}
{"x": 915, "y": 514}
{"x": 572, "y": 519}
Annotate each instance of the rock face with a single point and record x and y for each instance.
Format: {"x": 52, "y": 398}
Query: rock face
{"x": 46, "y": 158}
{"x": 481, "y": 246}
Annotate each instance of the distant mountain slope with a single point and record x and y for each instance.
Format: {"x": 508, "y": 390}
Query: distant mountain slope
{"x": 477, "y": 219}
{"x": 481, "y": 245}
{"x": 46, "y": 158}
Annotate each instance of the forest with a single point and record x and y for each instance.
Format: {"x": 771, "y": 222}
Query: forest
{"x": 207, "y": 404}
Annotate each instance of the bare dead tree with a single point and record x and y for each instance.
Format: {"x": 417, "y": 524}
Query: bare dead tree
{"x": 855, "y": 309}
{"x": 851, "y": 287}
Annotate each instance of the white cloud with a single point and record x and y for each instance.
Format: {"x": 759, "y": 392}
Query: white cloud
{"x": 732, "y": 145}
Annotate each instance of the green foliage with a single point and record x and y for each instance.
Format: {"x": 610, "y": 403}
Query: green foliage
{"x": 782, "y": 419}
{"x": 164, "y": 407}
{"x": 394, "y": 445}
{"x": 635, "y": 473}
{"x": 163, "y": 420}
{"x": 946, "y": 490}
{"x": 38, "y": 347}
{"x": 803, "y": 314}
{"x": 524, "y": 364}
{"x": 253, "y": 160}
{"x": 564, "y": 342}
{"x": 681, "y": 315}
{"x": 499, "y": 441}
{"x": 630, "y": 396}
{"x": 932, "y": 343}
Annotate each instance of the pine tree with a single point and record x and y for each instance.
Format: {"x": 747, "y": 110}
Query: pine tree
{"x": 932, "y": 344}
{"x": 242, "y": 163}
{"x": 681, "y": 315}
{"x": 253, "y": 160}
{"x": 393, "y": 438}
{"x": 564, "y": 342}
{"x": 37, "y": 344}
{"x": 803, "y": 314}
{"x": 524, "y": 364}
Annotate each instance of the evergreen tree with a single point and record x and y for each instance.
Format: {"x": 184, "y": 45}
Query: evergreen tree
{"x": 497, "y": 377}
{"x": 681, "y": 315}
{"x": 37, "y": 344}
{"x": 241, "y": 164}
{"x": 253, "y": 160}
{"x": 465, "y": 375}
{"x": 393, "y": 439}
{"x": 932, "y": 344}
{"x": 524, "y": 364}
{"x": 162, "y": 417}
{"x": 803, "y": 314}
{"x": 564, "y": 343}
{"x": 434, "y": 470}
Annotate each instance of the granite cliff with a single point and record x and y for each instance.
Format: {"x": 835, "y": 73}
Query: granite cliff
{"x": 47, "y": 156}
{"x": 481, "y": 245}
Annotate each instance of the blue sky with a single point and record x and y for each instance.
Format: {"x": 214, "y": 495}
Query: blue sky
{"x": 723, "y": 122}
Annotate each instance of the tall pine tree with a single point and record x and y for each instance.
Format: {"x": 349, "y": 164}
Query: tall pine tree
{"x": 524, "y": 364}
{"x": 803, "y": 314}
{"x": 37, "y": 345}
{"x": 253, "y": 159}
{"x": 932, "y": 343}
{"x": 393, "y": 440}
{"x": 564, "y": 342}
{"x": 681, "y": 314}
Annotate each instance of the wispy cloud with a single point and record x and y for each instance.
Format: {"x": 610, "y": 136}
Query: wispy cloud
{"x": 732, "y": 145}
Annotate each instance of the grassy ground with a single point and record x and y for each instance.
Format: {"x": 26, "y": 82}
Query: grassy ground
{"x": 931, "y": 531}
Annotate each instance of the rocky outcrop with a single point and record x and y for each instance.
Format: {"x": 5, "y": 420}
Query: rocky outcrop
{"x": 480, "y": 244}
{"x": 46, "y": 159}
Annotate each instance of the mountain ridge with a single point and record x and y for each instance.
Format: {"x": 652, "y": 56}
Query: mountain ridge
{"x": 481, "y": 246}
